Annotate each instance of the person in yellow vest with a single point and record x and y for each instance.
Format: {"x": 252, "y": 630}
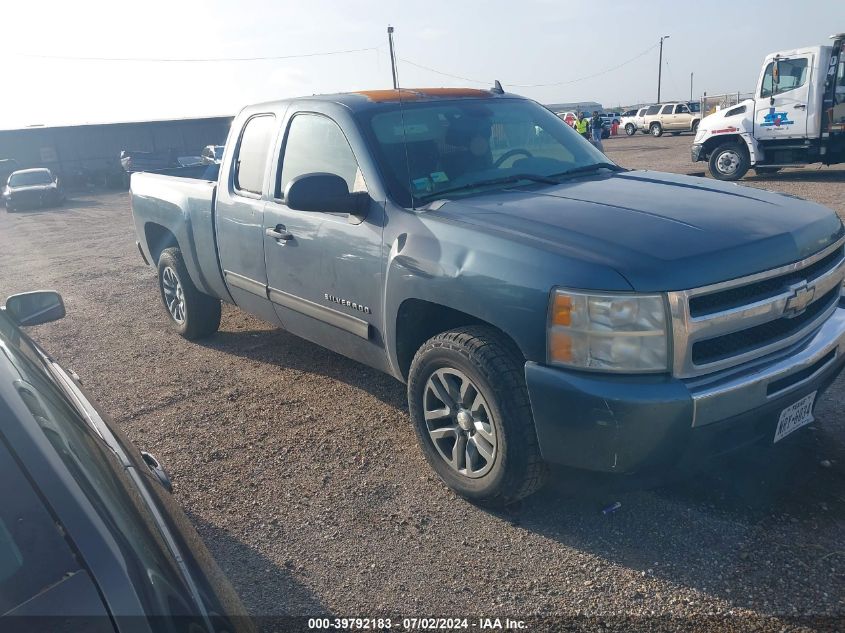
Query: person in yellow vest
{"x": 582, "y": 126}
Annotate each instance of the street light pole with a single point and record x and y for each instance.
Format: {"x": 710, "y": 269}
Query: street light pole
{"x": 660, "y": 66}
{"x": 690, "y": 86}
{"x": 392, "y": 57}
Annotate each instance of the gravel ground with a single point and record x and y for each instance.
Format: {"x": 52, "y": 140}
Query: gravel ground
{"x": 300, "y": 468}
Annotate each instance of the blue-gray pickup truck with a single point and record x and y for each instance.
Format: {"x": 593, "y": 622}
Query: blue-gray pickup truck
{"x": 544, "y": 305}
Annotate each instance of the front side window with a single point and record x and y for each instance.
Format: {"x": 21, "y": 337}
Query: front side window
{"x": 314, "y": 144}
{"x": 792, "y": 74}
{"x": 430, "y": 147}
{"x": 681, "y": 109}
{"x": 251, "y": 162}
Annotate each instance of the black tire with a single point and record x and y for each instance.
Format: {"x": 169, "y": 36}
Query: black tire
{"x": 605, "y": 133}
{"x": 495, "y": 369}
{"x": 644, "y": 132}
{"x": 694, "y": 128}
{"x": 729, "y": 161}
{"x": 655, "y": 129}
{"x": 200, "y": 314}
{"x": 630, "y": 129}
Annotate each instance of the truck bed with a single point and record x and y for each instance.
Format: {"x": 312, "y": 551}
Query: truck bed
{"x": 170, "y": 210}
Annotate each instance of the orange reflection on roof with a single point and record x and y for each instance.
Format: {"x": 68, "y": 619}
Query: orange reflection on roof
{"x": 415, "y": 94}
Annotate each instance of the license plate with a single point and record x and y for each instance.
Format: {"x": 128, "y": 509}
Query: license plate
{"x": 795, "y": 416}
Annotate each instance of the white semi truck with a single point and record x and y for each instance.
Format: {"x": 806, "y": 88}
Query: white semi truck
{"x": 796, "y": 118}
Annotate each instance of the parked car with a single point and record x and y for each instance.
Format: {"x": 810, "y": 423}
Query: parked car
{"x": 133, "y": 161}
{"x": 671, "y": 117}
{"x": 542, "y": 304}
{"x": 609, "y": 118}
{"x": 567, "y": 117}
{"x": 88, "y": 528}
{"x": 32, "y": 188}
{"x": 212, "y": 154}
{"x": 633, "y": 120}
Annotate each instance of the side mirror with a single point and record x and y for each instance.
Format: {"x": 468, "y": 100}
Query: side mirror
{"x": 327, "y": 193}
{"x": 35, "y": 308}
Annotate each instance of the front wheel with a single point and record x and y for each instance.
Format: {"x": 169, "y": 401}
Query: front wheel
{"x": 192, "y": 314}
{"x": 630, "y": 130}
{"x": 729, "y": 162}
{"x": 470, "y": 409}
{"x": 656, "y": 129}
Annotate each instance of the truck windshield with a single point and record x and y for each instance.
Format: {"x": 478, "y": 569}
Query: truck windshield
{"x": 452, "y": 145}
{"x": 29, "y": 178}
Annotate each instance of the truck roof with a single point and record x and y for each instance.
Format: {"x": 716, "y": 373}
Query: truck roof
{"x": 364, "y": 99}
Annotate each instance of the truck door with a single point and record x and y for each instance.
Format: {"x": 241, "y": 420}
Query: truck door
{"x": 240, "y": 217}
{"x": 324, "y": 271}
{"x": 783, "y": 99}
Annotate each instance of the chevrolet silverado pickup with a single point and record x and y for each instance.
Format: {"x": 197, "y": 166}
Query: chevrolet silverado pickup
{"x": 543, "y": 305}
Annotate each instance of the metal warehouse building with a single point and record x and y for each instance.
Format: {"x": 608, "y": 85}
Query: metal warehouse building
{"x": 91, "y": 153}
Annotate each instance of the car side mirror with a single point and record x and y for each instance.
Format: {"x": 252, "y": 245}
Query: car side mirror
{"x": 35, "y": 308}
{"x": 327, "y": 193}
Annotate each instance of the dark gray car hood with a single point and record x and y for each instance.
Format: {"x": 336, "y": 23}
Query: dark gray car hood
{"x": 660, "y": 231}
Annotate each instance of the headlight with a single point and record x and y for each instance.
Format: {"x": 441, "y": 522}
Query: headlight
{"x": 620, "y": 333}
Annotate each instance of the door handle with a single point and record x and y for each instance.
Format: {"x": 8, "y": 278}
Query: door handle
{"x": 802, "y": 106}
{"x": 280, "y": 233}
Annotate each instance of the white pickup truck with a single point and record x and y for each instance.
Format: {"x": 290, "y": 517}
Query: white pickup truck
{"x": 796, "y": 118}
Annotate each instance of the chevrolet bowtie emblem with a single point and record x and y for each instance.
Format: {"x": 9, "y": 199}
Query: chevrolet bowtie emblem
{"x": 799, "y": 300}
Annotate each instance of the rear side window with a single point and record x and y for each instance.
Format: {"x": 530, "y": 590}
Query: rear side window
{"x": 33, "y": 554}
{"x": 315, "y": 143}
{"x": 681, "y": 109}
{"x": 667, "y": 109}
{"x": 251, "y": 162}
{"x": 653, "y": 110}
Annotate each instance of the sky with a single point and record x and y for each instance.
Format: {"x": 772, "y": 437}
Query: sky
{"x": 527, "y": 45}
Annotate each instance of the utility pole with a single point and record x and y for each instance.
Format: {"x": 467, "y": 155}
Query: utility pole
{"x": 660, "y": 66}
{"x": 392, "y": 58}
{"x": 690, "y": 86}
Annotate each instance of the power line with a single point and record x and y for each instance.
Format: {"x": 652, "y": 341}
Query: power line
{"x": 190, "y": 60}
{"x": 543, "y": 85}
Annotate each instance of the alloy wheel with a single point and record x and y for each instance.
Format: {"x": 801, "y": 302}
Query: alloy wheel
{"x": 459, "y": 422}
{"x": 174, "y": 297}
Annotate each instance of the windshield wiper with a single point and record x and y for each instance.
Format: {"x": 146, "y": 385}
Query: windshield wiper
{"x": 493, "y": 181}
{"x": 586, "y": 168}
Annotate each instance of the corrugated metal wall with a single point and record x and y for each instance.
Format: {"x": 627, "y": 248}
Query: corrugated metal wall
{"x": 95, "y": 149}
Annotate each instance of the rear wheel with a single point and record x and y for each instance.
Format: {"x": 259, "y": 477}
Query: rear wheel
{"x": 192, "y": 314}
{"x": 630, "y": 130}
{"x": 656, "y": 129}
{"x": 470, "y": 409}
{"x": 729, "y": 162}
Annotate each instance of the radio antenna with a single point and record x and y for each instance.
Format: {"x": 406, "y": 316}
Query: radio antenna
{"x": 401, "y": 115}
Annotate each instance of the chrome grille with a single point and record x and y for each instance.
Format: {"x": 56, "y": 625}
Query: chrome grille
{"x": 726, "y": 324}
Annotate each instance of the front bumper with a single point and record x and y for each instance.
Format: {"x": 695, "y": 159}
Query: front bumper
{"x": 696, "y": 152}
{"x": 630, "y": 423}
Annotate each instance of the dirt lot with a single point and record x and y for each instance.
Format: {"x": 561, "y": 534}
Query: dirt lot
{"x": 300, "y": 467}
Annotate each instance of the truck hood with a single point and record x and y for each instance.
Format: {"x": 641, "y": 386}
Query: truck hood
{"x": 719, "y": 120}
{"x": 660, "y": 231}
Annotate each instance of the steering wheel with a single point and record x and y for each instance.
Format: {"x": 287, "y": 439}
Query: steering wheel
{"x": 510, "y": 154}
